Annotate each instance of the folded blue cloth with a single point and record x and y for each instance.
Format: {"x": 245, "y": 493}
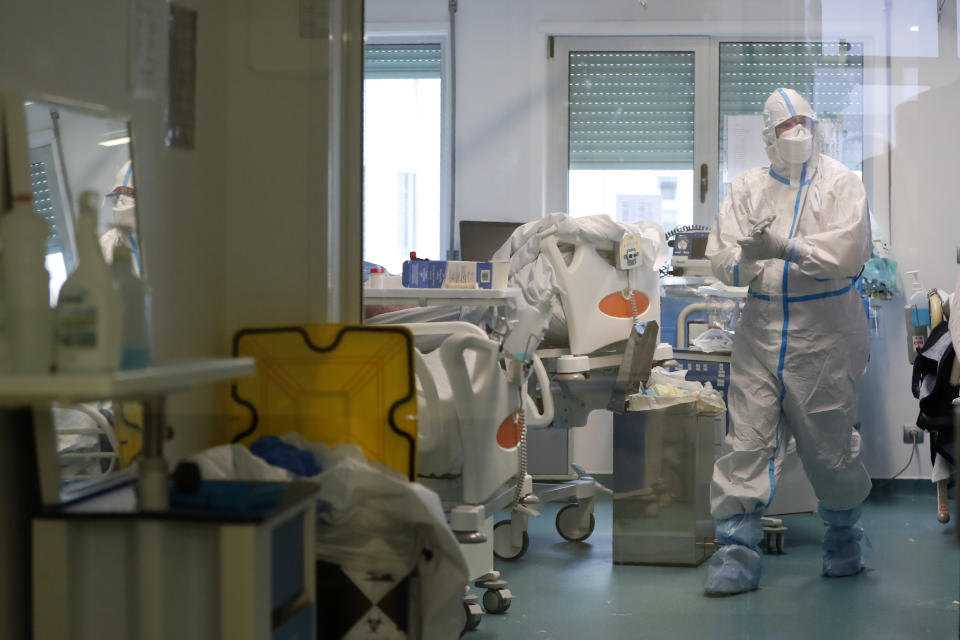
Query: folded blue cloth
{"x": 286, "y": 456}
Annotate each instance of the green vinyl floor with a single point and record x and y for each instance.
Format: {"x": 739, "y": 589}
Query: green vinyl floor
{"x": 573, "y": 591}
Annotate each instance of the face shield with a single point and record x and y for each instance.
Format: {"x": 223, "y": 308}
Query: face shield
{"x": 122, "y": 199}
{"x": 790, "y": 133}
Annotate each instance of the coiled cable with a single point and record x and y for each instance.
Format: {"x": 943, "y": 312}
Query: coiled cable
{"x": 520, "y": 421}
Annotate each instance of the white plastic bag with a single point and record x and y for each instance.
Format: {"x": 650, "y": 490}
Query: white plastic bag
{"x": 370, "y": 519}
{"x": 713, "y": 340}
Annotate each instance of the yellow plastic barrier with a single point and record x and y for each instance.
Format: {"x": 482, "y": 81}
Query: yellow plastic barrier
{"x": 331, "y": 383}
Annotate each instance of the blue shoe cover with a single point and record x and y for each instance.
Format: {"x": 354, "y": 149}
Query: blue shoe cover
{"x": 736, "y": 566}
{"x": 842, "y": 543}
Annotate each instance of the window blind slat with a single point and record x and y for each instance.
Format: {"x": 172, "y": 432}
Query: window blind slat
{"x": 631, "y": 109}
{"x": 401, "y": 61}
{"x": 43, "y": 204}
{"x": 829, "y": 75}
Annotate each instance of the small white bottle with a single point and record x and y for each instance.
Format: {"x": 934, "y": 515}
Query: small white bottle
{"x": 29, "y": 319}
{"x": 135, "y": 308}
{"x": 88, "y": 324}
{"x": 377, "y": 276}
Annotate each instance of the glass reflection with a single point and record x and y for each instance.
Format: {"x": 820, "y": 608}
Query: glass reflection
{"x": 72, "y": 151}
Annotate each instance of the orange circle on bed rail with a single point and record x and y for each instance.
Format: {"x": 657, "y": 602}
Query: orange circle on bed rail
{"x": 508, "y": 435}
{"x": 617, "y": 306}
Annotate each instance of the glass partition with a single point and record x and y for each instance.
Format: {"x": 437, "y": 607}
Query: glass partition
{"x": 72, "y": 151}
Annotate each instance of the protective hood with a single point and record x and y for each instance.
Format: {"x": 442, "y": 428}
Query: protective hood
{"x": 123, "y": 197}
{"x": 782, "y": 105}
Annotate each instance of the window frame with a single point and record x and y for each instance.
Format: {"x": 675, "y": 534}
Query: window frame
{"x": 876, "y": 167}
{"x": 446, "y": 123}
{"x": 876, "y": 101}
{"x": 558, "y": 157}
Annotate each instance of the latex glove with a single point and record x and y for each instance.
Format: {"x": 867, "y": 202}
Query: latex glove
{"x": 765, "y": 246}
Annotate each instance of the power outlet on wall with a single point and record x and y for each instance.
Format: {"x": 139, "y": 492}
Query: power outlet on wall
{"x": 911, "y": 431}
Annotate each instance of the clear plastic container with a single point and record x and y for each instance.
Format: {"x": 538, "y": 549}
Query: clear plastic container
{"x": 135, "y": 307}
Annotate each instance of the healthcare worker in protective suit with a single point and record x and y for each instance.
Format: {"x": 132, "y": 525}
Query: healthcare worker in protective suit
{"x": 122, "y": 202}
{"x": 797, "y": 233}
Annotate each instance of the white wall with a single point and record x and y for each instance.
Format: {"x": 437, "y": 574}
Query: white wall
{"x": 180, "y": 193}
{"x": 924, "y": 236}
{"x": 275, "y": 182}
{"x": 78, "y": 51}
{"x": 503, "y": 131}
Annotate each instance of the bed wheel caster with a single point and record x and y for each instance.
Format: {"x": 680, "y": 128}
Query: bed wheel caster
{"x": 568, "y": 524}
{"x": 497, "y": 601}
{"x": 474, "y": 614}
{"x": 503, "y": 541}
{"x": 773, "y": 541}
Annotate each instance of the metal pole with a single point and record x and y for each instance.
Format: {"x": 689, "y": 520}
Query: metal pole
{"x": 451, "y": 250}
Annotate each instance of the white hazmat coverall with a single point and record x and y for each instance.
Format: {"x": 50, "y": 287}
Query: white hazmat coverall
{"x": 802, "y": 342}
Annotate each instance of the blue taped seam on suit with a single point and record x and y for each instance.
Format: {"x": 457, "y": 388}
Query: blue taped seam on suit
{"x": 773, "y": 477}
{"x": 136, "y": 252}
{"x": 796, "y": 206}
{"x": 786, "y": 323}
{"x": 787, "y": 100}
{"x": 818, "y": 296}
{"x": 806, "y": 298}
{"x": 779, "y": 178}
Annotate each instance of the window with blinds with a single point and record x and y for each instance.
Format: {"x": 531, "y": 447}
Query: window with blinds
{"x": 401, "y": 61}
{"x": 829, "y": 75}
{"x": 631, "y": 109}
{"x": 43, "y": 203}
{"x": 403, "y": 124}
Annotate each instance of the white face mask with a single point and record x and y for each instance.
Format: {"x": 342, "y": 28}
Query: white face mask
{"x": 795, "y": 144}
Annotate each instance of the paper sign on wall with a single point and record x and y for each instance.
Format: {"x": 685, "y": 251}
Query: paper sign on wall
{"x": 744, "y": 145}
{"x": 636, "y": 208}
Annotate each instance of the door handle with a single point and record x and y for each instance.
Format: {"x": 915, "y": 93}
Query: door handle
{"x": 704, "y": 183}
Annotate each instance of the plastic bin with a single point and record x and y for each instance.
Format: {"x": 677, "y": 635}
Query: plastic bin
{"x": 662, "y": 465}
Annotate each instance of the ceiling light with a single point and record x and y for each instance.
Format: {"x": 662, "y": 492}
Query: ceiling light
{"x": 114, "y": 135}
{"x": 915, "y": 27}
{"x": 113, "y": 142}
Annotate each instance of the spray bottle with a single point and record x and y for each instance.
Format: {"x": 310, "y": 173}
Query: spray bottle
{"x": 89, "y": 330}
{"x": 917, "y": 316}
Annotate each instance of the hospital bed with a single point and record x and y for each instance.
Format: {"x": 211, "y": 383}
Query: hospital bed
{"x": 469, "y": 441}
{"x": 600, "y": 304}
{"x": 87, "y": 445}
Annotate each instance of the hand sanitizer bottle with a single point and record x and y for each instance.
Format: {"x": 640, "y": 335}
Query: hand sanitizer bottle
{"x": 88, "y": 324}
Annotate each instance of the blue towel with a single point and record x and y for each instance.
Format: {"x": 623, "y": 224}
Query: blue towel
{"x": 286, "y": 456}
